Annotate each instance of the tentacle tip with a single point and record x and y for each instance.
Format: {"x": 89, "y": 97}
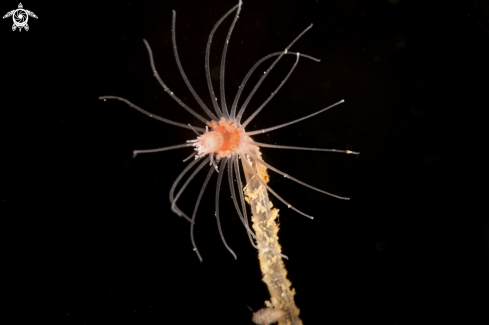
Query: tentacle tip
{"x": 233, "y": 253}
{"x": 134, "y": 154}
{"x": 198, "y": 254}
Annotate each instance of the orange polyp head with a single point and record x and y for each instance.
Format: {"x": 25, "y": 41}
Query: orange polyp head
{"x": 224, "y": 139}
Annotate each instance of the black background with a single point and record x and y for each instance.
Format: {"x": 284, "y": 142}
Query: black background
{"x": 88, "y": 235}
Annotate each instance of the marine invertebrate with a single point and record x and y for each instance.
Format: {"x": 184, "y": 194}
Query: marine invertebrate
{"x": 267, "y": 316}
{"x": 224, "y": 142}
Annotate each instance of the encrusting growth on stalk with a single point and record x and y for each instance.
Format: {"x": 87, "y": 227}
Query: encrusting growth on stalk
{"x": 282, "y": 307}
{"x": 222, "y": 146}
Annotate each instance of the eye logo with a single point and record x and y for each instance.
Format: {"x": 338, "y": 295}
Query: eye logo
{"x": 20, "y": 17}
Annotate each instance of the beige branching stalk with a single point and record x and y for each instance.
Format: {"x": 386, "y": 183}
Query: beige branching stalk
{"x": 264, "y": 219}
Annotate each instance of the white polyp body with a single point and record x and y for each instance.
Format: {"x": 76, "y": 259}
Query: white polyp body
{"x": 208, "y": 143}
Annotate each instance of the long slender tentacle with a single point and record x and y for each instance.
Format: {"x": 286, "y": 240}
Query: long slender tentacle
{"x": 243, "y": 107}
{"x": 244, "y": 159}
{"x": 240, "y": 186}
{"x": 218, "y": 190}
{"x": 189, "y": 179}
{"x": 223, "y": 63}
{"x": 165, "y": 87}
{"x": 258, "y": 110}
{"x": 207, "y": 54}
{"x": 184, "y": 76}
{"x": 267, "y": 145}
{"x": 292, "y": 178}
{"x": 137, "y": 152}
{"x": 294, "y": 121}
{"x": 244, "y": 218}
{"x": 194, "y": 214}
{"x": 250, "y": 72}
{"x": 175, "y": 208}
{"x": 156, "y": 117}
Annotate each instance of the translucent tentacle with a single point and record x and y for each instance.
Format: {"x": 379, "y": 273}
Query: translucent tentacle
{"x": 207, "y": 54}
{"x": 191, "y": 156}
{"x": 156, "y": 117}
{"x": 191, "y": 111}
{"x": 244, "y": 218}
{"x": 195, "y": 131}
{"x": 189, "y": 179}
{"x": 202, "y": 190}
{"x": 223, "y": 63}
{"x": 243, "y": 107}
{"x": 294, "y": 121}
{"x": 175, "y": 208}
{"x": 243, "y": 158}
{"x": 292, "y": 178}
{"x": 137, "y": 152}
{"x": 258, "y": 110}
{"x": 250, "y": 72}
{"x": 180, "y": 68}
{"x": 218, "y": 190}
{"x": 267, "y": 145}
